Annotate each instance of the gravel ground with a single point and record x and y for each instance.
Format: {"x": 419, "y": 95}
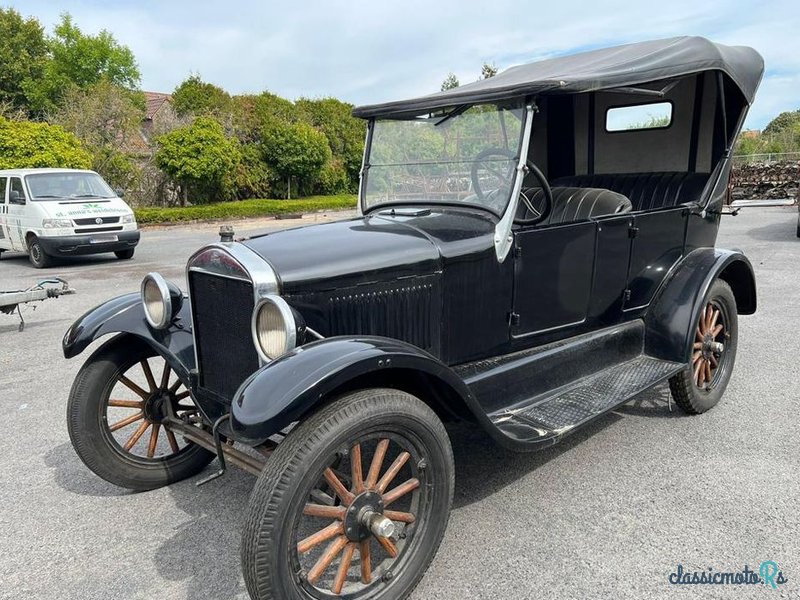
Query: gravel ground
{"x": 608, "y": 514}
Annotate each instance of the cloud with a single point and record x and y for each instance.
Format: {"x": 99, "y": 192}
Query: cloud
{"x": 367, "y": 51}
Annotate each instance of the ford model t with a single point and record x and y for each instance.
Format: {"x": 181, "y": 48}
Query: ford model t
{"x": 532, "y": 250}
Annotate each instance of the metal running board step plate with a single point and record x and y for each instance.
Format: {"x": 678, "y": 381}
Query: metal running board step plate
{"x": 563, "y": 410}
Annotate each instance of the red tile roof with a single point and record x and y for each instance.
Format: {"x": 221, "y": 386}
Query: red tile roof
{"x": 155, "y": 100}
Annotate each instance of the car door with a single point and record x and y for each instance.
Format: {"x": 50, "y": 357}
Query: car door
{"x": 5, "y": 242}
{"x": 553, "y": 271}
{"x": 17, "y": 213}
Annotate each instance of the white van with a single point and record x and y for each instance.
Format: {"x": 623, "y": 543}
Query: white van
{"x": 63, "y": 212}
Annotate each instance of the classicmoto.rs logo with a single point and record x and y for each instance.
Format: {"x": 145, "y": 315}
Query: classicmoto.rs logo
{"x": 768, "y": 575}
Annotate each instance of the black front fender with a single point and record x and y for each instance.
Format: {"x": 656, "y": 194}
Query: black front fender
{"x": 125, "y": 314}
{"x": 673, "y": 316}
{"x": 284, "y": 390}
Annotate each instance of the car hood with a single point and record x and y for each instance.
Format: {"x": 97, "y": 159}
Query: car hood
{"x": 368, "y": 249}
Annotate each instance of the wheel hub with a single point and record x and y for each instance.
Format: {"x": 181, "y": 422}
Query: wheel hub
{"x": 155, "y": 408}
{"x": 360, "y": 515}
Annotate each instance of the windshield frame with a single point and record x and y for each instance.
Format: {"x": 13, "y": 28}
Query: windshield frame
{"x": 519, "y": 152}
{"x": 86, "y": 198}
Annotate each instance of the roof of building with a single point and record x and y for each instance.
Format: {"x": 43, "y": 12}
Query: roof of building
{"x": 155, "y": 100}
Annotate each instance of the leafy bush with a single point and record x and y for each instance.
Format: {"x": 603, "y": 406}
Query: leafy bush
{"x": 243, "y": 209}
{"x": 24, "y": 144}
{"x": 199, "y": 158}
{"x": 253, "y": 177}
{"x": 333, "y": 179}
{"x": 295, "y": 150}
{"x": 196, "y": 97}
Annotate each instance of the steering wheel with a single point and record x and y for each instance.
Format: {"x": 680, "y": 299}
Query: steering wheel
{"x": 539, "y": 213}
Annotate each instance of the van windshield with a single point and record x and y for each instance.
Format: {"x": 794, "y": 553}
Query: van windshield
{"x": 466, "y": 155}
{"x": 58, "y": 186}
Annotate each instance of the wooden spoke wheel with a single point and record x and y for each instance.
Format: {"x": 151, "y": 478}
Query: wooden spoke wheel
{"x": 138, "y": 404}
{"x": 353, "y": 503}
{"x": 709, "y": 345}
{"x": 116, "y": 413}
{"x": 713, "y": 351}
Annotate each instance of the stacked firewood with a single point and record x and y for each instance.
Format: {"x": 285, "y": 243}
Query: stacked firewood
{"x": 766, "y": 180}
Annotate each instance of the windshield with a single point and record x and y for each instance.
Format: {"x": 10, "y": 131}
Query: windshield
{"x": 464, "y": 155}
{"x": 57, "y": 186}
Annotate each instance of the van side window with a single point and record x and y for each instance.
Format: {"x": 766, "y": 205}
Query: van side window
{"x": 16, "y": 186}
{"x": 3, "y": 182}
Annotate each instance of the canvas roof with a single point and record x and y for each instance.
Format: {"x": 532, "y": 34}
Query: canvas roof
{"x": 606, "y": 68}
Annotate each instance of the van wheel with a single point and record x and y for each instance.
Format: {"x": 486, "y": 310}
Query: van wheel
{"x": 352, "y": 504}
{"x": 124, "y": 254}
{"x": 38, "y": 257}
{"x": 701, "y": 384}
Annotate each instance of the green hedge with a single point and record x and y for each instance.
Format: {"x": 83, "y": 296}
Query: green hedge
{"x": 243, "y": 209}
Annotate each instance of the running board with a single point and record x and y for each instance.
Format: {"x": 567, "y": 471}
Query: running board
{"x": 548, "y": 417}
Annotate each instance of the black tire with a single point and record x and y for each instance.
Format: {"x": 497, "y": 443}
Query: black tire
{"x": 36, "y": 254}
{"x": 91, "y": 435}
{"x": 124, "y": 254}
{"x": 271, "y": 559}
{"x": 694, "y": 392}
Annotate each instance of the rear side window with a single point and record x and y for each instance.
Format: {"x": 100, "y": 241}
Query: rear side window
{"x": 3, "y": 182}
{"x": 653, "y": 115}
{"x": 16, "y": 186}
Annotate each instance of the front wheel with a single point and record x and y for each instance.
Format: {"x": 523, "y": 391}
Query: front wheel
{"x": 353, "y": 503}
{"x": 115, "y": 412}
{"x": 701, "y": 384}
{"x": 36, "y": 254}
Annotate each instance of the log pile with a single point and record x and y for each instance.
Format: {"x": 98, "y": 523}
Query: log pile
{"x": 766, "y": 181}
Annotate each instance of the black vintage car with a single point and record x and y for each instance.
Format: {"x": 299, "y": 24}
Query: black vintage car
{"x": 533, "y": 250}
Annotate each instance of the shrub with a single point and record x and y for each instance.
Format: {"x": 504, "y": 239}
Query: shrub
{"x": 243, "y": 209}
{"x": 24, "y": 144}
{"x": 295, "y": 150}
{"x": 200, "y": 159}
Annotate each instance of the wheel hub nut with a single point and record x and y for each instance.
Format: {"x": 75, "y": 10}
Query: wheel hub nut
{"x": 379, "y": 525}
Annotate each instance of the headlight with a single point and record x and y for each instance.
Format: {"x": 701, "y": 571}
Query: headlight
{"x": 56, "y": 223}
{"x": 161, "y": 299}
{"x": 126, "y": 219}
{"x": 274, "y": 328}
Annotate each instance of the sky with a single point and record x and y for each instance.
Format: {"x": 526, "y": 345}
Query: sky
{"x": 366, "y": 51}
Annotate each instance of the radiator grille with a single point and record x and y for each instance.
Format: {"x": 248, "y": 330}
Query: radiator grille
{"x": 221, "y": 310}
{"x": 93, "y": 220}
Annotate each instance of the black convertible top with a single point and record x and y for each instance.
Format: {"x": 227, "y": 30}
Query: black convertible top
{"x": 620, "y": 66}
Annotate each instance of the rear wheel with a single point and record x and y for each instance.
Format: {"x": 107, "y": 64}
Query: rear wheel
{"x": 701, "y": 384}
{"x": 115, "y": 412}
{"x": 353, "y": 503}
{"x": 36, "y": 254}
{"x": 124, "y": 254}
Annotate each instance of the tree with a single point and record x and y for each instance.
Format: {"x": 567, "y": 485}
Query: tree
{"x": 295, "y": 150}
{"x": 199, "y": 158}
{"x": 450, "y": 82}
{"x": 783, "y": 122}
{"x": 197, "y": 97}
{"x": 488, "y": 71}
{"x": 252, "y": 114}
{"x": 23, "y": 52}
{"x": 24, "y": 144}
{"x": 106, "y": 118}
{"x": 80, "y": 60}
{"x": 345, "y": 136}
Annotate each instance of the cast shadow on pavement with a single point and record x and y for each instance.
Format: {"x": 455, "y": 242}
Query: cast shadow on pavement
{"x": 203, "y": 551}
{"x": 483, "y": 467}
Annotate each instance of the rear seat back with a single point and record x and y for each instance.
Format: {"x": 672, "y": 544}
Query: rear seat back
{"x": 646, "y": 191}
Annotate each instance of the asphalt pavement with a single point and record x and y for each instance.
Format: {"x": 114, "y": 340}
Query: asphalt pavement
{"x": 610, "y": 513}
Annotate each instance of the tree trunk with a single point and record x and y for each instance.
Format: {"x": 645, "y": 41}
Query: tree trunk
{"x": 289, "y": 188}
{"x": 185, "y": 194}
